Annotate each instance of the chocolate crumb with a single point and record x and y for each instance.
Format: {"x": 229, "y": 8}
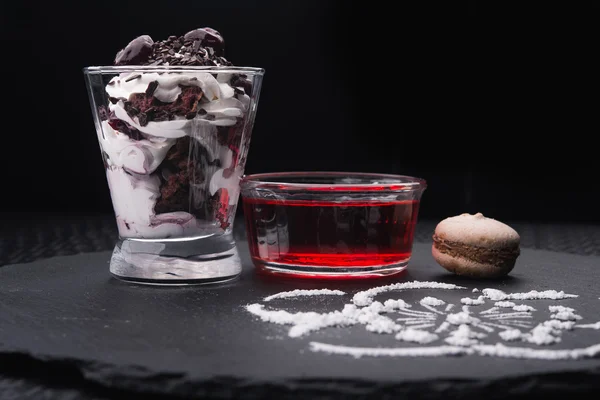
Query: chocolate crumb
{"x": 115, "y": 100}
{"x": 103, "y": 113}
{"x": 111, "y": 83}
{"x": 133, "y": 77}
{"x": 151, "y": 88}
{"x": 210, "y": 117}
{"x": 190, "y": 115}
{"x": 202, "y": 111}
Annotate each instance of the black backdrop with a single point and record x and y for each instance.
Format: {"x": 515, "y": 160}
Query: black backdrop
{"x": 493, "y": 104}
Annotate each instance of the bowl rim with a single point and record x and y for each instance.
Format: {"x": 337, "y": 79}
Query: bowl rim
{"x": 118, "y": 69}
{"x": 393, "y": 183}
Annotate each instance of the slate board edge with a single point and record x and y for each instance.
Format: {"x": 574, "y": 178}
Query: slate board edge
{"x": 104, "y": 378}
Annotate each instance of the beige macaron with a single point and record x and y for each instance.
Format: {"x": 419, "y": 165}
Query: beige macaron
{"x": 476, "y": 246}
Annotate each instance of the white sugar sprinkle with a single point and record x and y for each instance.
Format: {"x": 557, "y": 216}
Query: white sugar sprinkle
{"x": 560, "y": 325}
{"x": 473, "y": 302}
{"x": 560, "y": 309}
{"x": 589, "y": 326}
{"x": 498, "y": 295}
{"x": 306, "y": 322}
{"x": 464, "y": 336}
{"x": 493, "y": 310}
{"x": 416, "y": 336}
{"x": 497, "y": 350}
{"x": 541, "y": 335}
{"x": 431, "y": 301}
{"x": 461, "y": 318}
{"x": 365, "y": 297}
{"x": 504, "y": 304}
{"x": 523, "y": 307}
{"x": 510, "y": 335}
{"x": 564, "y": 313}
{"x": 298, "y": 293}
{"x": 433, "y": 351}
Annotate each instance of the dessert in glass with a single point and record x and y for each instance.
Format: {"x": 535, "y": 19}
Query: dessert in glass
{"x": 174, "y": 120}
{"x": 331, "y": 224}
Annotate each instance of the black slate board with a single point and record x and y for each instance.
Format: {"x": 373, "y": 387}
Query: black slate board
{"x": 68, "y": 317}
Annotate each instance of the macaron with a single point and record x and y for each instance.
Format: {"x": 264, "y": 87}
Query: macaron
{"x": 476, "y": 246}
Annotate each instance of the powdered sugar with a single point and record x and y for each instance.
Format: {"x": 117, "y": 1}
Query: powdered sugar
{"x": 589, "y": 326}
{"x": 473, "y": 302}
{"x": 464, "y": 336}
{"x": 523, "y": 307}
{"x": 564, "y": 313}
{"x": 365, "y": 297}
{"x": 461, "y": 318}
{"x": 497, "y": 350}
{"x": 511, "y": 335}
{"x": 416, "y": 336}
{"x": 430, "y": 320}
{"x": 297, "y": 293}
{"x": 504, "y": 304}
{"x": 561, "y": 325}
{"x": 498, "y": 295}
{"x": 358, "y": 352}
{"x": 431, "y": 301}
{"x": 500, "y": 350}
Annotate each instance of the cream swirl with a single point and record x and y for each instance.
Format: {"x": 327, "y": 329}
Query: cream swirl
{"x": 138, "y": 156}
{"x": 133, "y": 199}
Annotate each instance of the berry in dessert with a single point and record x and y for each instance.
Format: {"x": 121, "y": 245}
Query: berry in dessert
{"x": 173, "y": 139}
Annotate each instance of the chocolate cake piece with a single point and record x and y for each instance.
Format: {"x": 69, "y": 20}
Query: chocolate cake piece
{"x": 184, "y": 174}
{"x": 148, "y": 108}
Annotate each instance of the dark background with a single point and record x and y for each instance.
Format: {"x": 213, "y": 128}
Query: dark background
{"x": 494, "y": 104}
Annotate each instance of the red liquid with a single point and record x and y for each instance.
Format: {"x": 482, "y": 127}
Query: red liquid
{"x": 330, "y": 234}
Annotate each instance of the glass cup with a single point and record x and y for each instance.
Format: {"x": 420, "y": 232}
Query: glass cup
{"x": 174, "y": 142}
{"x": 331, "y": 224}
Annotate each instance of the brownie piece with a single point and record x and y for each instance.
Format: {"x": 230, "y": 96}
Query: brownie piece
{"x": 184, "y": 180}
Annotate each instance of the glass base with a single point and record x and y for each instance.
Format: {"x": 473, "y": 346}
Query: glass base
{"x": 186, "y": 261}
{"x": 317, "y": 272}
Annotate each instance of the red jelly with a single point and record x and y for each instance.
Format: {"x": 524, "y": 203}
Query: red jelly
{"x": 331, "y": 225}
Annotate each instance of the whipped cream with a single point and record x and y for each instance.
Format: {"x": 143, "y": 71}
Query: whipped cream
{"x": 140, "y": 157}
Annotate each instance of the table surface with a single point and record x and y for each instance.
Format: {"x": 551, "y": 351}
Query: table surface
{"x": 28, "y": 237}
{"x": 47, "y": 376}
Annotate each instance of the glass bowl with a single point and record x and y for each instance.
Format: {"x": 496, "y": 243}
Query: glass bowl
{"x": 331, "y": 224}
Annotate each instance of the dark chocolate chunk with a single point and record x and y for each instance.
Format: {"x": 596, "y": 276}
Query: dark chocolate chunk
{"x": 133, "y": 77}
{"x": 102, "y": 113}
{"x": 151, "y": 88}
{"x": 190, "y": 115}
